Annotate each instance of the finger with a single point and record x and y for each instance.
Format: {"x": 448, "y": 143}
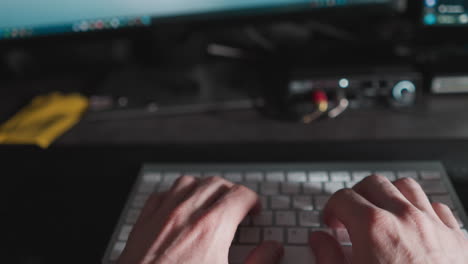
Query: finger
{"x": 326, "y": 249}
{"x": 177, "y": 194}
{"x": 269, "y": 252}
{"x": 446, "y": 215}
{"x": 349, "y": 208}
{"x": 234, "y": 206}
{"x": 381, "y": 192}
{"x": 209, "y": 191}
{"x": 152, "y": 204}
{"x": 414, "y": 194}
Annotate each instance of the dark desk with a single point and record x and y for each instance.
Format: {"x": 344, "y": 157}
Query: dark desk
{"x": 61, "y": 204}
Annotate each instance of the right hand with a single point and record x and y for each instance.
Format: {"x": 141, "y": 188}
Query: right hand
{"x": 390, "y": 223}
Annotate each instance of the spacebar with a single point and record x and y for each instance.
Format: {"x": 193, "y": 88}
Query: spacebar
{"x": 292, "y": 255}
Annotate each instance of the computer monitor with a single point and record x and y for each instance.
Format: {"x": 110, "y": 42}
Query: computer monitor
{"x": 445, "y": 12}
{"x": 26, "y": 18}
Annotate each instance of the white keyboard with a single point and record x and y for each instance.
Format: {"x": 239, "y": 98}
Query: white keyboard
{"x": 292, "y": 195}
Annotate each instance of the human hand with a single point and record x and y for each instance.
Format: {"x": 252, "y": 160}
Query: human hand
{"x": 392, "y": 224}
{"x": 195, "y": 223}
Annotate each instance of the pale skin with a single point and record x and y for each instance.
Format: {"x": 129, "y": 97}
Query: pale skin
{"x": 388, "y": 223}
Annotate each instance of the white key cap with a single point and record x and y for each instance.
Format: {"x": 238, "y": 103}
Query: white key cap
{"x": 275, "y": 176}
{"x": 249, "y": 235}
{"x": 117, "y": 250}
{"x": 332, "y": 187}
{"x": 342, "y": 236}
{"x": 303, "y": 202}
{"x": 321, "y": 201}
{"x": 312, "y": 187}
{"x": 298, "y": 235}
{"x": 431, "y": 175}
{"x": 361, "y": 175}
{"x": 233, "y": 176}
{"x": 132, "y": 216}
{"x": 264, "y": 202}
{"x": 297, "y": 176}
{"x": 445, "y": 199}
{"x": 326, "y": 230}
{"x": 210, "y": 174}
{"x": 298, "y": 255}
{"x": 171, "y": 177}
{"x": 340, "y": 176}
{"x": 165, "y": 186}
{"x": 153, "y": 177}
{"x": 269, "y": 188}
{"x": 390, "y": 175}
{"x": 285, "y": 218}
{"x": 264, "y": 218}
{"x": 147, "y": 187}
{"x": 139, "y": 200}
{"x": 309, "y": 219}
{"x": 318, "y": 176}
{"x": 291, "y": 187}
{"x": 193, "y": 174}
{"x": 351, "y": 184}
{"x": 254, "y": 176}
{"x": 125, "y": 232}
{"x": 273, "y": 233}
{"x": 251, "y": 185}
{"x": 280, "y": 202}
{"x": 238, "y": 254}
{"x": 433, "y": 187}
{"x": 408, "y": 174}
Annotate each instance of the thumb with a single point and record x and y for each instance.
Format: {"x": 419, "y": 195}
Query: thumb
{"x": 326, "y": 249}
{"x": 269, "y": 252}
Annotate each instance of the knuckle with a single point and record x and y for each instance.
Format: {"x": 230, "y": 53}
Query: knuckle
{"x": 346, "y": 192}
{"x": 376, "y": 217}
{"x": 186, "y": 179}
{"x": 440, "y": 206}
{"x": 408, "y": 182}
{"x": 376, "y": 178}
{"x": 177, "y": 214}
{"x": 214, "y": 179}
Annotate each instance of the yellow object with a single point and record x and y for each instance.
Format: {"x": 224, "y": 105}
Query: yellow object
{"x": 44, "y": 119}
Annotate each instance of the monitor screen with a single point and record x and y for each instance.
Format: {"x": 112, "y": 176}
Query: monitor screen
{"x": 445, "y": 12}
{"x": 25, "y": 18}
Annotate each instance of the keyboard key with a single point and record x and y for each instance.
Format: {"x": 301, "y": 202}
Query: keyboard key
{"x": 251, "y": 185}
{"x": 233, "y": 177}
{"x": 147, "y": 187}
{"x": 318, "y": 176}
{"x": 298, "y": 255}
{"x": 254, "y": 176}
{"x": 431, "y": 175}
{"x": 125, "y": 232}
{"x": 342, "y": 237}
{"x": 297, "y": 177}
{"x": 269, "y": 188}
{"x": 309, "y": 219}
{"x": 351, "y": 184}
{"x": 321, "y": 201}
{"x": 433, "y": 187}
{"x": 312, "y": 187}
{"x": 303, "y": 202}
{"x": 340, "y": 176}
{"x": 332, "y": 187}
{"x": 445, "y": 199}
{"x": 264, "y": 218}
{"x": 298, "y": 235}
{"x": 390, "y": 175}
{"x": 132, "y": 216}
{"x": 139, "y": 200}
{"x": 273, "y": 233}
{"x": 238, "y": 254}
{"x": 280, "y": 202}
{"x": 165, "y": 186}
{"x": 171, "y": 177}
{"x": 193, "y": 174}
{"x": 291, "y": 188}
{"x": 210, "y": 174}
{"x": 275, "y": 176}
{"x": 285, "y": 218}
{"x": 153, "y": 177}
{"x": 264, "y": 202}
{"x": 249, "y": 235}
{"x": 361, "y": 175}
{"x": 117, "y": 250}
{"x": 408, "y": 174}
{"x": 246, "y": 221}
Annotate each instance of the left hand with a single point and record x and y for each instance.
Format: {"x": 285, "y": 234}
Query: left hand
{"x": 194, "y": 223}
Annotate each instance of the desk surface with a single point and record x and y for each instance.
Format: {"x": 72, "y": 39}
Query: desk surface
{"x": 62, "y": 203}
